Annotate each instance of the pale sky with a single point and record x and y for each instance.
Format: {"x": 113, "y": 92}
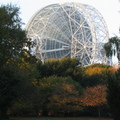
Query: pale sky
{"x": 108, "y": 8}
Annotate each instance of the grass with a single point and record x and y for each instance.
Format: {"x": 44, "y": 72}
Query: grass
{"x": 57, "y": 118}
{"x": 48, "y": 118}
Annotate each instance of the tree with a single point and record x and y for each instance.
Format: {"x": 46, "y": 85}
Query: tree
{"x": 12, "y": 46}
{"x": 65, "y": 100}
{"x": 67, "y": 66}
{"x": 48, "y": 68}
{"x": 11, "y": 85}
{"x": 28, "y": 102}
{"x": 64, "y": 67}
{"x": 57, "y": 89}
{"x": 113, "y": 47}
{"x": 95, "y": 96}
{"x": 96, "y": 74}
{"x": 113, "y": 94}
{"x": 12, "y": 37}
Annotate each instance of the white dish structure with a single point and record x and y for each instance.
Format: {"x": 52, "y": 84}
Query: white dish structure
{"x": 68, "y": 30}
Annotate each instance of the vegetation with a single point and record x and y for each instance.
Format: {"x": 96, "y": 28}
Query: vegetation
{"x": 29, "y": 87}
{"x": 113, "y": 47}
{"x": 12, "y": 36}
{"x": 113, "y": 96}
{"x": 63, "y": 97}
{"x": 64, "y": 67}
{"x": 12, "y": 42}
{"x": 95, "y": 96}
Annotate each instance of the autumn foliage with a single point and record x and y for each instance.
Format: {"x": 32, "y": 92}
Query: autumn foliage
{"x": 99, "y": 70}
{"x": 94, "y": 96}
{"x": 65, "y": 100}
{"x": 61, "y": 87}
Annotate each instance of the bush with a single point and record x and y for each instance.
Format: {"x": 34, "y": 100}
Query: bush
{"x": 113, "y": 94}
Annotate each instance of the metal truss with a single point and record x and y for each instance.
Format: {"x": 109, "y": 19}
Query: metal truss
{"x": 68, "y": 30}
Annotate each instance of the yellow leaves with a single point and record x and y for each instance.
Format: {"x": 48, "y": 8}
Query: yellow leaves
{"x": 23, "y": 64}
{"x": 99, "y": 70}
{"x": 95, "y": 70}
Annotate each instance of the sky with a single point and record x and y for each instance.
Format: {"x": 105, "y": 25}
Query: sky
{"x": 108, "y": 8}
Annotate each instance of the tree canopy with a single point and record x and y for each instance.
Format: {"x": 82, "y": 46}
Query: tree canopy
{"x": 113, "y": 94}
{"x": 12, "y": 37}
{"x": 12, "y": 48}
{"x": 113, "y": 47}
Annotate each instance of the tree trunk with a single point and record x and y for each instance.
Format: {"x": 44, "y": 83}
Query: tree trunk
{"x": 99, "y": 112}
{"x": 45, "y": 111}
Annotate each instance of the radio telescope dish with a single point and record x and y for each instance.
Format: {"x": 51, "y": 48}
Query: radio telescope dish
{"x": 68, "y": 30}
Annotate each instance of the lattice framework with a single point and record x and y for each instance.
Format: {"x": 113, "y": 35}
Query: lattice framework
{"x": 69, "y": 30}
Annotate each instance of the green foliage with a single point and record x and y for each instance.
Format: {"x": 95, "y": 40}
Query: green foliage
{"x": 12, "y": 49}
{"x": 109, "y": 47}
{"x": 48, "y": 68}
{"x": 113, "y": 94}
{"x": 95, "y": 74}
{"x": 60, "y": 87}
{"x": 10, "y": 87}
{"x": 93, "y": 80}
{"x": 67, "y": 66}
{"x": 64, "y": 67}
{"x": 28, "y": 103}
{"x": 12, "y": 37}
{"x": 98, "y": 65}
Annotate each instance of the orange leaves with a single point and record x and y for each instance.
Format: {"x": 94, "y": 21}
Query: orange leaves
{"x": 99, "y": 70}
{"x": 112, "y": 70}
{"x": 65, "y": 98}
{"x": 94, "y": 70}
{"x": 94, "y": 96}
{"x": 63, "y": 103}
{"x": 69, "y": 88}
